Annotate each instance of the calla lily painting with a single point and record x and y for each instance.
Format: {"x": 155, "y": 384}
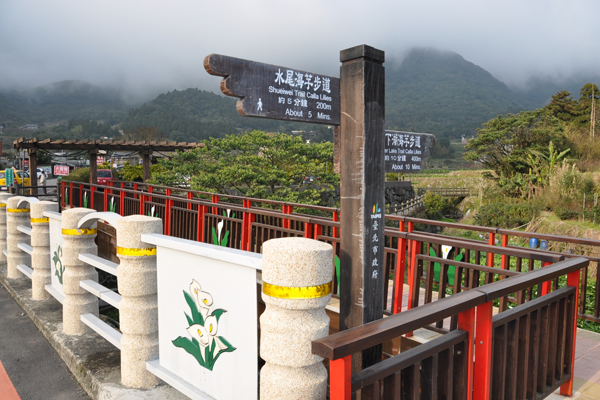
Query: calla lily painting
{"x": 205, "y": 345}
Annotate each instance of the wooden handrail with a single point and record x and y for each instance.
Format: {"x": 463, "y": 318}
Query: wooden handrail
{"x": 537, "y": 303}
{"x": 523, "y": 281}
{"x": 372, "y": 374}
{"x": 362, "y": 337}
{"x": 368, "y": 335}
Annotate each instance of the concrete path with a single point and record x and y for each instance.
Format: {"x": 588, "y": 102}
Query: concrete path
{"x": 30, "y": 368}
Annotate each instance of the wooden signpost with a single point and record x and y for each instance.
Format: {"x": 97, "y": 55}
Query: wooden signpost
{"x": 274, "y": 92}
{"x": 405, "y": 151}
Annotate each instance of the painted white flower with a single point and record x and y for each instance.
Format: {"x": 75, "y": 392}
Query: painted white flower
{"x": 152, "y": 211}
{"x": 219, "y": 229}
{"x": 212, "y": 328}
{"x": 446, "y": 251}
{"x": 203, "y": 299}
{"x": 199, "y": 333}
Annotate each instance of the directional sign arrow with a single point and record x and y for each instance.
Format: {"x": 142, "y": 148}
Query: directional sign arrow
{"x": 275, "y": 92}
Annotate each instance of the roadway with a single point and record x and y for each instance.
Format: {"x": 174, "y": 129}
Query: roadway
{"x": 30, "y": 368}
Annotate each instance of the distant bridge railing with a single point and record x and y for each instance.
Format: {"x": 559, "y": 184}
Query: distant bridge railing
{"x": 447, "y": 192}
{"x": 245, "y": 223}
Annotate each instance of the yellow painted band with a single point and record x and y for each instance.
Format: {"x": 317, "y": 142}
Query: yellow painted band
{"x": 307, "y": 292}
{"x": 148, "y": 251}
{"x": 2, "y": 205}
{"x": 40, "y": 220}
{"x": 17, "y": 210}
{"x": 79, "y": 232}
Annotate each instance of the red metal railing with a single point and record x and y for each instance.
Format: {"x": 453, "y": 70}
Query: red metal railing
{"x": 195, "y": 215}
{"x": 526, "y": 352}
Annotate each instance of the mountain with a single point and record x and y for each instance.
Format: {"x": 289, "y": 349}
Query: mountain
{"x": 538, "y": 91}
{"x": 195, "y": 115}
{"x": 440, "y": 92}
{"x": 61, "y": 101}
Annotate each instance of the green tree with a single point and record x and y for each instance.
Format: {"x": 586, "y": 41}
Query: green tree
{"x": 563, "y": 106}
{"x": 256, "y": 164}
{"x": 502, "y": 144}
{"x": 143, "y": 133}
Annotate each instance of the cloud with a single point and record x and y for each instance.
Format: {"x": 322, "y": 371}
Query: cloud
{"x": 148, "y": 46}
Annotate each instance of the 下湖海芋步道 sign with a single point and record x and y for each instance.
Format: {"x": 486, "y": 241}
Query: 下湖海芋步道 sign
{"x": 406, "y": 151}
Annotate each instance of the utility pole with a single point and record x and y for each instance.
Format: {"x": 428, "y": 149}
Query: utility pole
{"x": 593, "y": 115}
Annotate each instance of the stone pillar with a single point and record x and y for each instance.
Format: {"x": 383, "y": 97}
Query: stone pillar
{"x": 3, "y": 198}
{"x": 77, "y": 300}
{"x": 138, "y": 309}
{"x": 40, "y": 241}
{"x": 16, "y": 217}
{"x": 296, "y": 276}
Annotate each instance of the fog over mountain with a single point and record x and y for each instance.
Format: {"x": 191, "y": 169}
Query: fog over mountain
{"x": 146, "y": 47}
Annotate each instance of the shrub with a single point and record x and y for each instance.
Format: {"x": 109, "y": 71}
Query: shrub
{"x": 78, "y": 175}
{"x": 564, "y": 213}
{"x": 504, "y": 215}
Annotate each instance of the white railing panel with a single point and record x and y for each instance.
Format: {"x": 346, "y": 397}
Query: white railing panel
{"x": 59, "y": 296}
{"x": 101, "y": 292}
{"x": 26, "y": 230}
{"x": 188, "y": 273}
{"x": 56, "y": 256}
{"x": 103, "y": 329}
{"x": 28, "y": 272}
{"x": 100, "y": 263}
{"x": 26, "y": 248}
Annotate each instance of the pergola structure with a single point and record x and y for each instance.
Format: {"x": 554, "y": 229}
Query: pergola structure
{"x": 92, "y": 147}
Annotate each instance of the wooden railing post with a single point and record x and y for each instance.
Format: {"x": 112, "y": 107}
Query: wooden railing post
{"x": 336, "y": 218}
{"x": 482, "y": 379}
{"x": 547, "y": 286}
{"x": 285, "y": 223}
{"x": 168, "y": 205}
{"x": 340, "y": 375}
{"x": 200, "y": 233}
{"x": 189, "y": 196}
{"x": 466, "y": 322}
{"x": 318, "y": 229}
{"x": 246, "y": 226}
{"x": 142, "y": 199}
{"x": 215, "y": 199}
{"x": 504, "y": 244}
{"x": 400, "y": 266}
{"x": 308, "y": 229}
{"x": 105, "y": 199}
{"x": 122, "y": 200}
{"x": 490, "y": 256}
{"x": 71, "y": 195}
{"x": 92, "y": 190}
{"x": 573, "y": 279}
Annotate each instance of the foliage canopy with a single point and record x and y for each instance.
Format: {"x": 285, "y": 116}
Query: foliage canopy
{"x": 256, "y": 164}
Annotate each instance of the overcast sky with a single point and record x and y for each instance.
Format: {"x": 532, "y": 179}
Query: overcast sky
{"x": 149, "y": 45}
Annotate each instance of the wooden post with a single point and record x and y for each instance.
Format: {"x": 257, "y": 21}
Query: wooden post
{"x": 400, "y": 267}
{"x": 362, "y": 177}
{"x": 32, "y": 170}
{"x": 146, "y": 165}
{"x": 93, "y": 166}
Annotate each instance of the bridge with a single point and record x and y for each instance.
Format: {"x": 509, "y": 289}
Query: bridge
{"x": 493, "y": 277}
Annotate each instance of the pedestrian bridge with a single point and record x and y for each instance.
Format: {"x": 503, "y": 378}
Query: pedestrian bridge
{"x": 504, "y": 307}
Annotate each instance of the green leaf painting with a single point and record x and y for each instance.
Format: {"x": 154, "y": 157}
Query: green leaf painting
{"x": 437, "y": 267}
{"x": 205, "y": 345}
{"x": 59, "y": 269}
